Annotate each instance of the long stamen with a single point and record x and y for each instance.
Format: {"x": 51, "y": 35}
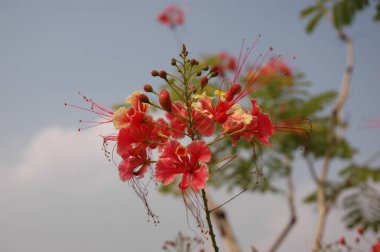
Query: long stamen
{"x": 248, "y": 88}
{"x": 89, "y": 110}
{"x": 95, "y": 104}
{"x": 298, "y": 125}
{"x": 241, "y": 63}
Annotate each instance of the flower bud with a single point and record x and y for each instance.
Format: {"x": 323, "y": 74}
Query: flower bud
{"x": 193, "y": 62}
{"x": 144, "y": 98}
{"x": 184, "y": 48}
{"x": 173, "y": 62}
{"x": 162, "y": 74}
{"x": 214, "y": 69}
{"x": 360, "y": 230}
{"x": 165, "y": 100}
{"x": 221, "y": 118}
{"x": 342, "y": 241}
{"x": 234, "y": 90}
{"x": 204, "y": 81}
{"x": 214, "y": 74}
{"x": 154, "y": 73}
{"x": 148, "y": 88}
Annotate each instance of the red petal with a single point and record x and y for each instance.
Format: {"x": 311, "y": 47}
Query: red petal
{"x": 166, "y": 170}
{"x": 169, "y": 150}
{"x": 185, "y": 182}
{"x": 125, "y": 170}
{"x": 198, "y": 151}
{"x": 199, "y": 178}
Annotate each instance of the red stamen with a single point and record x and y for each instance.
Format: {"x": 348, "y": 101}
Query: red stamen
{"x": 100, "y": 111}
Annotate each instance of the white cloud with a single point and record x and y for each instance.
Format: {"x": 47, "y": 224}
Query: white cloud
{"x": 64, "y": 195}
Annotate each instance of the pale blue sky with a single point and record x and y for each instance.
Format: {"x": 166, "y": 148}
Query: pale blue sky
{"x": 49, "y": 50}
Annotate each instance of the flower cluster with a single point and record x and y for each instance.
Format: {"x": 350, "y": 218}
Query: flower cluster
{"x": 172, "y": 16}
{"x": 344, "y": 245}
{"x": 179, "y": 145}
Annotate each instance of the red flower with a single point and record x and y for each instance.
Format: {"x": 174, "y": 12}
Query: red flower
{"x": 263, "y": 128}
{"x": 134, "y": 166}
{"x": 245, "y": 125}
{"x": 188, "y": 161}
{"x": 276, "y": 66}
{"x": 376, "y": 246}
{"x": 172, "y": 16}
{"x": 133, "y": 139}
{"x": 202, "y": 124}
{"x": 123, "y": 117}
{"x": 342, "y": 241}
{"x": 176, "y": 122}
{"x": 226, "y": 100}
{"x": 360, "y": 230}
{"x": 226, "y": 62}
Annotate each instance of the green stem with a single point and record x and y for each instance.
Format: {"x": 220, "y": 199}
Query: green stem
{"x": 208, "y": 218}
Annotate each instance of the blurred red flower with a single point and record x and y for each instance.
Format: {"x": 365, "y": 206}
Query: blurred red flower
{"x": 376, "y": 246}
{"x": 172, "y": 16}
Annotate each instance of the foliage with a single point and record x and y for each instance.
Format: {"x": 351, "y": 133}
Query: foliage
{"x": 341, "y": 12}
{"x": 361, "y": 203}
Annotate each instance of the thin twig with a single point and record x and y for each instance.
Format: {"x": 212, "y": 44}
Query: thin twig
{"x": 210, "y": 227}
{"x": 372, "y": 158}
{"x": 221, "y": 219}
{"x": 311, "y": 167}
{"x": 228, "y": 200}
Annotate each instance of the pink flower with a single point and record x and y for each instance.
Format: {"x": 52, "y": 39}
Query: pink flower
{"x": 172, "y": 16}
{"x": 188, "y": 161}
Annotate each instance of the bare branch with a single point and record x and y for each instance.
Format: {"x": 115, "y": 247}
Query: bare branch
{"x": 345, "y": 86}
{"x": 344, "y": 91}
{"x": 292, "y": 217}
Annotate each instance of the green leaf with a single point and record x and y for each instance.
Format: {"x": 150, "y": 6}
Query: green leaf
{"x": 377, "y": 15}
{"x": 307, "y": 11}
{"x": 313, "y": 22}
{"x": 347, "y": 15}
{"x": 337, "y": 16}
{"x": 360, "y": 4}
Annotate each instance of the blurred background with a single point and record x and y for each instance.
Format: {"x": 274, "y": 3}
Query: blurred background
{"x": 57, "y": 190}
